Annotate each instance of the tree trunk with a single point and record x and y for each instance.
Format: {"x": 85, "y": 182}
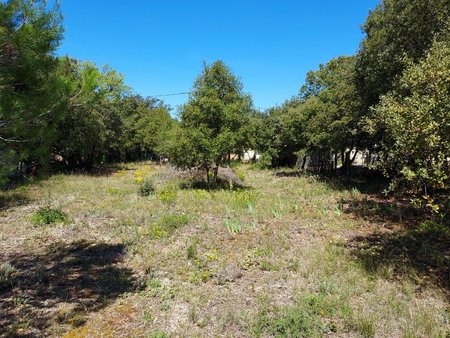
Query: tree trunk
{"x": 208, "y": 183}
{"x": 347, "y": 165}
{"x": 216, "y": 170}
{"x": 335, "y": 161}
{"x": 304, "y": 162}
{"x": 354, "y": 156}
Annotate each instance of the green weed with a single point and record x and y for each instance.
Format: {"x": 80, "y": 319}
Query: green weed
{"x": 146, "y": 188}
{"x": 301, "y": 320}
{"x": 48, "y": 215}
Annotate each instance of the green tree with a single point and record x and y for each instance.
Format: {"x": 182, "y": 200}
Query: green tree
{"x": 214, "y": 122}
{"x": 333, "y": 125}
{"x": 416, "y": 120}
{"x": 30, "y": 32}
{"x": 398, "y": 32}
{"x": 91, "y": 129}
{"x": 147, "y": 126}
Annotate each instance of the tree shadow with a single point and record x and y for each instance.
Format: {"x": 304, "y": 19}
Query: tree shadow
{"x": 12, "y": 199}
{"x": 407, "y": 241}
{"x": 364, "y": 180}
{"x": 227, "y": 179}
{"x": 201, "y": 184}
{"x": 104, "y": 170}
{"x": 286, "y": 173}
{"x": 61, "y": 286}
{"x": 423, "y": 253}
{"x": 386, "y": 211}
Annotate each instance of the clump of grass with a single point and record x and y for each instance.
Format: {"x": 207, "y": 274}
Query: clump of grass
{"x": 233, "y": 225}
{"x": 159, "y": 334}
{"x": 365, "y": 324}
{"x": 301, "y": 320}
{"x": 146, "y": 188}
{"x": 114, "y": 191}
{"x": 278, "y": 212}
{"x": 191, "y": 252}
{"x": 241, "y": 199}
{"x": 266, "y": 265}
{"x": 6, "y": 273}
{"x": 47, "y": 215}
{"x": 168, "y": 224}
{"x": 168, "y": 194}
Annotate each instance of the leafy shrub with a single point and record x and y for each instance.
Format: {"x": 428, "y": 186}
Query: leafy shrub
{"x": 48, "y": 215}
{"x": 240, "y": 174}
{"x": 146, "y": 188}
{"x": 414, "y": 118}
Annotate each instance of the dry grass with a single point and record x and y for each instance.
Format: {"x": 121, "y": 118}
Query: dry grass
{"x": 288, "y": 256}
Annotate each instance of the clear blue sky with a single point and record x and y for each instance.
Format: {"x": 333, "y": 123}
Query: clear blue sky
{"x": 159, "y": 45}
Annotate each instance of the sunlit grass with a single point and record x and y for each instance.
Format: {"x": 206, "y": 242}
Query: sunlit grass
{"x": 288, "y": 236}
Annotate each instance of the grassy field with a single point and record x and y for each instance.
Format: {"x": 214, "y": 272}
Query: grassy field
{"x": 288, "y": 256}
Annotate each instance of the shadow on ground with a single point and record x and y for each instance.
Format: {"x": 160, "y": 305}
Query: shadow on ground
{"x": 105, "y": 170}
{"x": 425, "y": 254}
{"x": 406, "y": 241}
{"x": 362, "y": 179}
{"x": 385, "y": 211}
{"x": 61, "y": 286}
{"x": 12, "y": 199}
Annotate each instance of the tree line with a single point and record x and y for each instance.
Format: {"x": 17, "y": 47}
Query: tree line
{"x": 59, "y": 111}
{"x": 390, "y": 101}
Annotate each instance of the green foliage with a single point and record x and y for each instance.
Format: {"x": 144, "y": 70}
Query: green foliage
{"x": 91, "y": 127}
{"x": 146, "y": 188}
{"x": 415, "y": 118}
{"x": 147, "y": 128}
{"x": 158, "y": 334}
{"x": 30, "y": 32}
{"x": 398, "y": 32}
{"x": 324, "y": 120}
{"x": 213, "y": 122}
{"x": 47, "y": 215}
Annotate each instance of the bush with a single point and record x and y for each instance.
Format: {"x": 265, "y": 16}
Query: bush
{"x": 48, "y": 215}
{"x": 414, "y": 117}
{"x": 147, "y": 188}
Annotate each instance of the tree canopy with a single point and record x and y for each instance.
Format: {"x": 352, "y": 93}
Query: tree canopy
{"x": 214, "y": 122}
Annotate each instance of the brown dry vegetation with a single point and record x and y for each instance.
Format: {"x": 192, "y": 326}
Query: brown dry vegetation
{"x": 287, "y": 256}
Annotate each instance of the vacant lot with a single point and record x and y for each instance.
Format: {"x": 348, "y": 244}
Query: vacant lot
{"x": 288, "y": 255}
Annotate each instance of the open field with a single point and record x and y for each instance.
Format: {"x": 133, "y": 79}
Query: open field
{"x": 288, "y": 256}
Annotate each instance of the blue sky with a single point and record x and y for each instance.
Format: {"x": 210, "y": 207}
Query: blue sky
{"x": 159, "y": 45}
